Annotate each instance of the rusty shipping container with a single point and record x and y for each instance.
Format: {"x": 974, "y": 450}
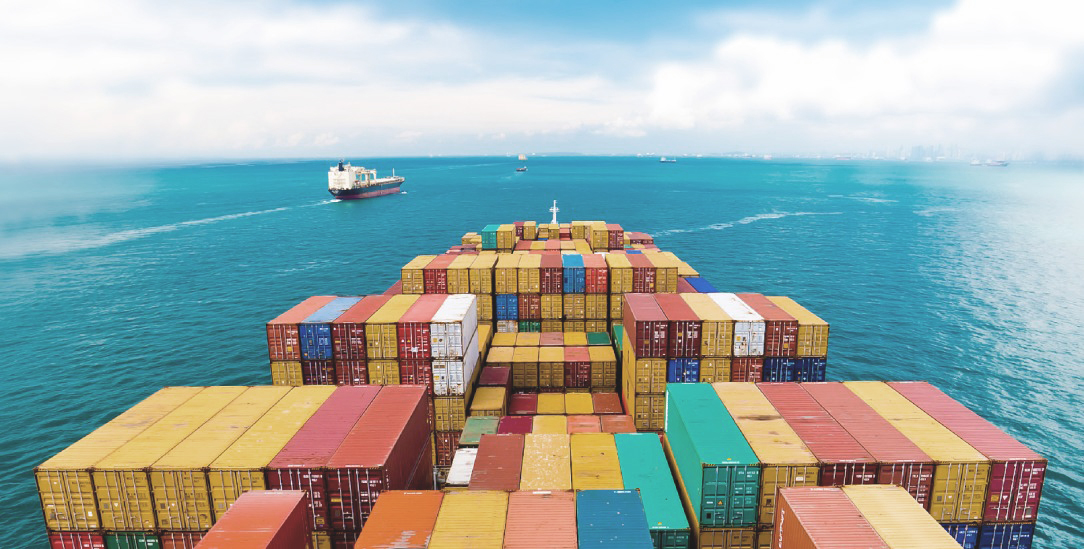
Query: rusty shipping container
{"x": 497, "y": 466}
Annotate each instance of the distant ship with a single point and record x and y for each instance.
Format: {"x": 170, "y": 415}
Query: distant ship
{"x": 997, "y": 163}
{"x": 667, "y": 160}
{"x": 522, "y": 158}
{"x": 347, "y": 182}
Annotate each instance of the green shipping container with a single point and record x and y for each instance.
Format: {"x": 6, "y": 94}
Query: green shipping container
{"x": 718, "y": 468}
{"x": 131, "y": 540}
{"x": 598, "y": 338}
{"x": 475, "y": 427}
{"x": 530, "y": 326}
{"x": 644, "y": 468}
{"x": 489, "y": 237}
{"x": 618, "y": 330}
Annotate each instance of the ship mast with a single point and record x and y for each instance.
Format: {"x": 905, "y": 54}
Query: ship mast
{"x": 554, "y": 209}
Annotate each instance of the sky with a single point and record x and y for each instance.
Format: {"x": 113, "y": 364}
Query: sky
{"x": 141, "y": 79}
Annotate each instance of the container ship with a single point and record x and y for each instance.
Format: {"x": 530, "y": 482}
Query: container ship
{"x": 347, "y": 182}
{"x": 546, "y": 385}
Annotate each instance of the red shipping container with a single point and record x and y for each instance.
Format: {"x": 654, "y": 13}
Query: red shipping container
{"x": 780, "y": 329}
{"x": 352, "y": 372}
{"x": 76, "y": 540}
{"x": 553, "y": 244}
{"x": 517, "y": 425}
{"x": 746, "y": 369}
{"x": 523, "y": 246}
{"x": 435, "y": 274}
{"x": 617, "y": 236}
{"x": 523, "y": 404}
{"x": 617, "y": 424}
{"x": 318, "y": 372}
{"x": 180, "y": 540}
{"x": 495, "y": 376}
{"x": 564, "y": 234}
{"x": 283, "y": 340}
{"x": 541, "y": 519}
{"x": 683, "y": 287}
{"x": 821, "y": 518}
{"x": 643, "y": 274}
{"x": 583, "y": 424}
{"x": 530, "y": 307}
{"x": 551, "y": 339}
{"x": 843, "y": 460}
{"x": 597, "y": 274}
{"x": 1017, "y": 472}
{"x": 606, "y": 403}
{"x": 413, "y": 327}
{"x": 348, "y": 331}
{"x": 519, "y": 228}
{"x": 417, "y": 371}
{"x": 395, "y": 289}
{"x": 646, "y": 325}
{"x": 262, "y": 518}
{"x": 552, "y": 274}
{"x": 684, "y": 326}
{"x": 447, "y": 444}
{"x": 300, "y": 464}
{"x": 577, "y": 367}
{"x": 401, "y": 519}
{"x": 902, "y": 462}
{"x": 497, "y": 466}
{"x": 378, "y": 454}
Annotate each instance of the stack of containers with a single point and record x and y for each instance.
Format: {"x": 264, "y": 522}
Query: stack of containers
{"x": 317, "y": 364}
{"x": 811, "y": 349}
{"x": 413, "y": 274}
{"x": 459, "y": 474}
{"x": 529, "y": 293}
{"x": 349, "y": 341}
{"x": 271, "y": 520}
{"x": 284, "y": 340}
{"x": 644, "y": 468}
{"x": 780, "y": 342}
{"x": 747, "y": 360}
{"x": 456, "y": 347}
{"x": 644, "y": 360}
{"x": 716, "y": 337}
{"x": 621, "y": 283}
{"x": 481, "y": 285}
{"x": 505, "y": 288}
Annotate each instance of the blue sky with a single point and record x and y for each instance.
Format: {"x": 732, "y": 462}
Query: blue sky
{"x": 143, "y": 79}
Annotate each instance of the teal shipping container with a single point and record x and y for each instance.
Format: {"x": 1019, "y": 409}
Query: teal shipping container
{"x": 475, "y": 427}
{"x": 611, "y": 519}
{"x": 719, "y": 470}
{"x": 644, "y": 468}
{"x": 489, "y": 237}
{"x": 131, "y": 540}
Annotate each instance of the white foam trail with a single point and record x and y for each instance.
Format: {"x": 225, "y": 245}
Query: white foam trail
{"x": 742, "y": 221}
{"x": 928, "y": 212}
{"x": 869, "y": 199}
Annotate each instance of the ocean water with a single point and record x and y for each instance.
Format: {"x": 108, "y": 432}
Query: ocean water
{"x": 115, "y": 281}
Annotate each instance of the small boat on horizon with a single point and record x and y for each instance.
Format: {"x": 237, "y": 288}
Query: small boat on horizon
{"x": 522, "y": 158}
{"x": 997, "y": 163}
{"x": 346, "y": 182}
{"x": 665, "y": 160}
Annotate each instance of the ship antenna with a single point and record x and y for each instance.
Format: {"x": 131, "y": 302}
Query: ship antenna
{"x": 554, "y": 209}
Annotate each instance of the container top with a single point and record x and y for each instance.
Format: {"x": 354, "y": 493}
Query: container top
{"x": 898, "y": 518}
{"x": 578, "y": 403}
{"x": 767, "y": 433}
{"x": 362, "y": 310}
{"x": 463, "y": 261}
{"x": 541, "y": 519}
{"x": 302, "y": 310}
{"x": 701, "y": 285}
{"x": 525, "y": 354}
{"x": 471, "y": 519}
{"x": 606, "y": 403}
{"x": 262, "y": 513}
{"x": 401, "y": 519}
{"x": 644, "y": 468}
{"x": 419, "y": 262}
{"x": 331, "y": 311}
{"x": 644, "y": 308}
{"x": 715, "y": 436}
{"x": 424, "y": 308}
{"x": 551, "y": 262}
{"x": 549, "y": 424}
{"x": 612, "y": 518}
{"x": 573, "y": 339}
{"x": 502, "y": 339}
{"x": 321, "y": 435}
{"x": 735, "y": 308}
{"x": 584, "y": 424}
{"x": 546, "y": 462}
{"x": 484, "y": 262}
{"x": 594, "y": 261}
{"x": 598, "y": 338}
{"x": 676, "y": 308}
{"x": 792, "y": 308}
{"x": 459, "y": 474}
{"x": 638, "y": 261}
{"x": 706, "y": 308}
{"x": 572, "y": 261}
{"x": 551, "y": 354}
{"x": 509, "y": 261}
{"x": 766, "y": 308}
{"x": 456, "y": 308}
{"x": 516, "y": 424}
{"x": 491, "y": 228}
{"x": 372, "y": 439}
{"x": 530, "y": 261}
{"x": 500, "y": 355}
{"x": 618, "y": 424}
{"x": 266, "y": 438}
{"x": 618, "y": 261}
{"x": 822, "y": 434}
{"x": 528, "y": 339}
{"x": 475, "y": 427}
{"x": 489, "y": 398}
{"x": 394, "y": 309}
{"x": 599, "y": 354}
{"x": 883, "y": 441}
{"x": 440, "y": 262}
{"x": 497, "y": 466}
{"x": 828, "y": 518}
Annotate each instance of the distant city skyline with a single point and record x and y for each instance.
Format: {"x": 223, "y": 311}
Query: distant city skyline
{"x": 134, "y": 79}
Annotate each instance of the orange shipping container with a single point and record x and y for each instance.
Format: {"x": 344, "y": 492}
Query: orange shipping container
{"x": 541, "y": 519}
{"x": 401, "y": 519}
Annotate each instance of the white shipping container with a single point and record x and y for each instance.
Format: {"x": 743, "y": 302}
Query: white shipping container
{"x": 748, "y": 325}
{"x": 451, "y": 376}
{"x": 454, "y": 325}
{"x": 462, "y": 467}
{"x": 507, "y": 327}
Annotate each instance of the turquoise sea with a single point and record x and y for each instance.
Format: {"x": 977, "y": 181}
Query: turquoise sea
{"x": 115, "y": 281}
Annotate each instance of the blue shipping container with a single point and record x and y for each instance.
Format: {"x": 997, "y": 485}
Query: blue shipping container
{"x": 634, "y": 251}
{"x": 315, "y": 331}
{"x": 967, "y": 535}
{"x": 810, "y": 369}
{"x": 683, "y": 370}
{"x": 507, "y": 307}
{"x": 1006, "y": 536}
{"x": 779, "y": 369}
{"x": 575, "y": 279}
{"x": 611, "y": 519}
{"x": 701, "y": 285}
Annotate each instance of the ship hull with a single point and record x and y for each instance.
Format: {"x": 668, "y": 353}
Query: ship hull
{"x": 366, "y": 192}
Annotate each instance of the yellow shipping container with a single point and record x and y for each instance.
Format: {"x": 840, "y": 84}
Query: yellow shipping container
{"x": 459, "y": 274}
{"x": 649, "y": 412}
{"x": 567, "y": 245}
{"x": 413, "y": 279}
{"x": 596, "y": 306}
{"x": 595, "y": 325}
{"x": 381, "y": 335}
{"x": 579, "y": 404}
{"x": 575, "y": 338}
{"x": 812, "y": 330}
{"x": 481, "y": 273}
{"x": 528, "y": 339}
{"x": 489, "y": 401}
{"x": 500, "y": 356}
{"x": 538, "y": 245}
{"x": 530, "y": 230}
{"x": 961, "y": 474}
{"x": 383, "y": 372}
{"x": 733, "y": 538}
{"x": 551, "y": 367}
{"x": 784, "y": 459}
{"x": 575, "y": 326}
{"x": 617, "y": 301}
{"x": 684, "y": 269}
{"x": 666, "y": 272}
{"x": 530, "y": 274}
{"x": 575, "y": 306}
{"x": 714, "y": 370}
{"x": 485, "y": 337}
{"x": 897, "y": 518}
{"x": 594, "y": 462}
{"x": 449, "y": 413}
{"x": 121, "y": 483}
{"x": 600, "y": 236}
{"x": 504, "y": 340}
{"x": 551, "y": 403}
{"x": 649, "y": 373}
{"x": 552, "y": 325}
{"x": 469, "y": 238}
{"x": 547, "y": 463}
{"x": 552, "y": 306}
{"x": 506, "y": 274}
{"x": 620, "y": 276}
{"x": 286, "y": 372}
{"x": 179, "y": 478}
{"x": 506, "y": 237}
{"x": 64, "y": 480}
{"x": 578, "y": 230}
{"x": 603, "y": 366}
{"x": 241, "y": 467}
{"x": 550, "y": 424}
{"x": 717, "y": 331}
{"x": 470, "y": 519}
{"x": 485, "y": 308}
{"x": 525, "y": 367}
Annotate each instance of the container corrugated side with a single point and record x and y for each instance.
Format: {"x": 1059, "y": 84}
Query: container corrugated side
{"x": 961, "y": 475}
{"x": 283, "y": 341}
{"x": 821, "y": 518}
{"x": 812, "y": 329}
{"x": 348, "y": 330}
{"x": 481, "y": 274}
{"x": 473, "y": 519}
{"x": 525, "y": 367}
{"x": 315, "y": 331}
{"x": 121, "y": 481}
{"x": 611, "y": 519}
{"x": 498, "y": 464}
{"x": 453, "y": 326}
{"x": 412, "y": 329}
{"x": 412, "y": 274}
{"x": 647, "y": 326}
{"x": 717, "y": 328}
{"x": 541, "y": 519}
{"x": 64, "y": 480}
{"x": 551, "y": 367}
{"x": 644, "y": 468}
{"x": 529, "y": 275}
{"x": 459, "y": 274}
{"x": 898, "y": 519}
{"x": 179, "y": 478}
{"x": 784, "y": 459}
{"x": 780, "y": 329}
{"x": 489, "y": 401}
{"x": 265, "y": 519}
{"x": 547, "y": 463}
{"x": 506, "y": 274}
{"x": 452, "y": 376}
{"x": 381, "y": 331}
{"x": 595, "y": 465}
{"x": 401, "y": 519}
{"x": 748, "y": 325}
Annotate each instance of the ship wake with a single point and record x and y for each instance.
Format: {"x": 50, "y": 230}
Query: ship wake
{"x": 742, "y": 221}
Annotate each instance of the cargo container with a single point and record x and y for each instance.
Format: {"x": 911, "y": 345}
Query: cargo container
{"x": 551, "y": 367}
{"x": 551, "y": 271}
{"x": 701, "y": 285}
{"x": 574, "y": 278}
{"x": 180, "y": 540}
{"x": 596, "y": 274}
{"x": 594, "y": 462}
{"x": 528, "y": 340}
{"x": 489, "y": 401}
{"x": 507, "y": 307}
{"x": 644, "y": 468}
{"x": 401, "y": 519}
{"x": 812, "y": 330}
{"x": 318, "y": 372}
{"x": 381, "y": 452}
{"x": 843, "y": 460}
{"x": 506, "y": 274}
{"x": 453, "y": 376}
{"x": 715, "y": 369}
{"x": 449, "y": 413}
{"x": 780, "y": 328}
{"x": 617, "y": 424}
{"x": 314, "y": 331}
{"x": 551, "y": 339}
{"x": 732, "y": 538}
{"x": 473, "y": 519}
{"x": 453, "y": 326}
{"x": 497, "y": 466}
{"x": 520, "y": 425}
{"x": 784, "y": 460}
{"x": 684, "y": 287}
{"x": 242, "y": 466}
{"x": 551, "y": 403}
{"x": 748, "y": 325}
{"x": 611, "y": 519}
{"x": 459, "y": 475}
{"x": 435, "y": 274}
{"x": 967, "y": 535}
{"x": 525, "y": 367}
{"x": 529, "y": 308}
{"x": 495, "y": 376}
{"x": 666, "y": 272}
{"x": 719, "y": 470}
{"x": 412, "y": 274}
{"x": 481, "y": 274}
{"x": 961, "y": 474}
{"x": 381, "y": 329}
{"x": 584, "y": 424}
{"x": 620, "y": 271}
{"x": 646, "y": 325}
{"x": 459, "y": 274}
{"x": 795, "y": 369}
{"x": 541, "y": 519}
{"x": 578, "y": 404}
{"x": 578, "y": 367}
{"x": 383, "y": 372}
{"x": 413, "y": 327}
{"x": 475, "y": 427}
{"x": 606, "y": 403}
{"x": 550, "y": 425}
{"x": 264, "y": 519}
{"x": 486, "y": 308}
{"x": 287, "y": 372}
{"x": 1017, "y": 473}
{"x": 1006, "y": 535}
{"x": 901, "y": 461}
{"x": 76, "y": 540}
{"x": 523, "y": 404}
{"x": 897, "y": 518}
{"x": 717, "y": 328}
{"x": 283, "y": 339}
{"x": 348, "y": 329}
{"x": 546, "y": 463}
{"x": 529, "y": 276}
{"x": 821, "y": 518}
{"x": 684, "y": 326}
{"x": 683, "y": 370}
{"x": 131, "y": 540}
{"x": 746, "y": 369}
{"x": 643, "y": 274}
